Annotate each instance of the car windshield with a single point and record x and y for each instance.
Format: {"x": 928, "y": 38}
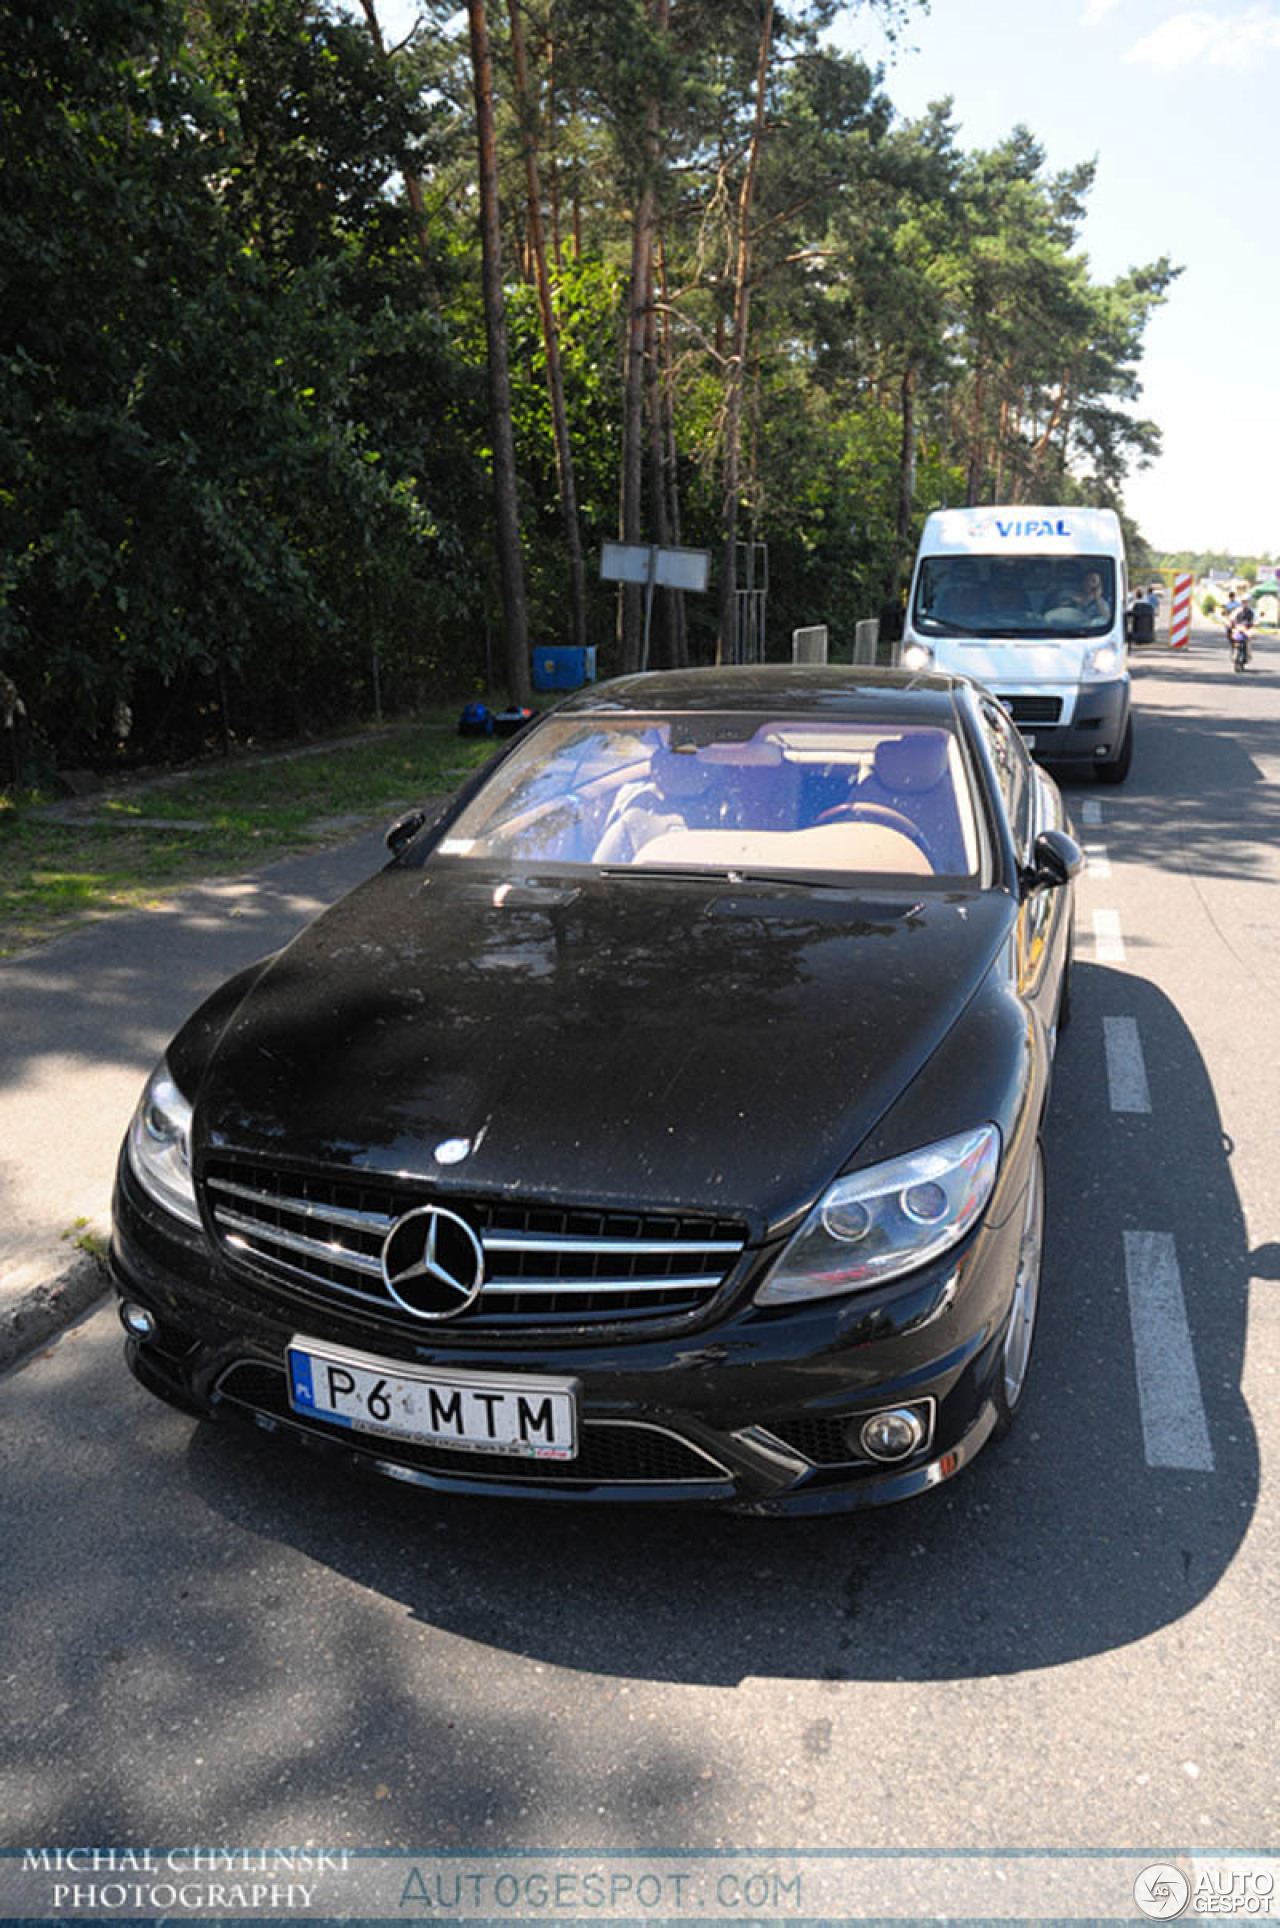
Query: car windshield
{"x": 727, "y": 794}
{"x": 1039, "y": 596}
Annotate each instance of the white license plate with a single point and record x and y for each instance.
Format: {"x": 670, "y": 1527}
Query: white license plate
{"x": 516, "y": 1414}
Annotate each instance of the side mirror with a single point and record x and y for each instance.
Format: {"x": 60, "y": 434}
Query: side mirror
{"x": 404, "y": 830}
{"x": 1056, "y": 859}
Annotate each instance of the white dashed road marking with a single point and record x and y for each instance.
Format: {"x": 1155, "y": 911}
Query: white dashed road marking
{"x": 1175, "y": 1431}
{"x": 1108, "y": 942}
{"x": 1126, "y": 1066}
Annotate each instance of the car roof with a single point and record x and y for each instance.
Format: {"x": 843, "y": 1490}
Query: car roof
{"x": 797, "y": 689}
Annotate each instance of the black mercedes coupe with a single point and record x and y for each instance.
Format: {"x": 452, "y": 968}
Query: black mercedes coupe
{"x": 663, "y": 1122}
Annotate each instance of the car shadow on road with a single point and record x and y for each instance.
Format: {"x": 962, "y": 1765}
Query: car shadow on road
{"x": 1200, "y": 798}
{"x": 1060, "y": 1543}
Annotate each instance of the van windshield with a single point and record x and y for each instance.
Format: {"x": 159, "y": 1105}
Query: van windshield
{"x": 1040, "y": 596}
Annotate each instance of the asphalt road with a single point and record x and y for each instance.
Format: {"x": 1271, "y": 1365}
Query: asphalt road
{"x": 86, "y": 1017}
{"x": 208, "y": 1636}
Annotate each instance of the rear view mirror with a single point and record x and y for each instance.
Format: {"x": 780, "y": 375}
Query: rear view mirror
{"x": 404, "y": 830}
{"x": 1056, "y": 859}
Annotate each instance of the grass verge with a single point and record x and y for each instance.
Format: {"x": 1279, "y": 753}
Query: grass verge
{"x": 131, "y": 848}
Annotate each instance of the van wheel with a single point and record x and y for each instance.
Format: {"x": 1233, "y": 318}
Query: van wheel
{"x": 1118, "y": 769}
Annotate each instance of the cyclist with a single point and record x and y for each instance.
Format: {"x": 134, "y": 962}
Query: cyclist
{"x": 1240, "y": 633}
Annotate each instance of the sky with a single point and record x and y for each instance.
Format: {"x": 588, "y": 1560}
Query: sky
{"x": 1179, "y": 107}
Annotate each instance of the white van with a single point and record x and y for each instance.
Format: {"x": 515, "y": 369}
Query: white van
{"x": 1032, "y": 602}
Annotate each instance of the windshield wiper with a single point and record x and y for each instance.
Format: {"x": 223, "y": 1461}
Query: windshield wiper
{"x": 786, "y": 879}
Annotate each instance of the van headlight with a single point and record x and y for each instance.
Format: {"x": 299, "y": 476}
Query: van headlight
{"x": 876, "y": 1225}
{"x": 160, "y": 1147}
{"x": 917, "y": 656}
{"x": 1104, "y": 661}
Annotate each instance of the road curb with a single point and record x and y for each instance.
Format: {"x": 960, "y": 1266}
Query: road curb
{"x": 43, "y": 1311}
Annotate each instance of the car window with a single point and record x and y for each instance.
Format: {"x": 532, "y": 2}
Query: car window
{"x": 1013, "y": 772}
{"x": 770, "y": 793}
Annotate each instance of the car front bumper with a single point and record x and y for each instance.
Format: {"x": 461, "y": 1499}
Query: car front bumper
{"x": 753, "y": 1410}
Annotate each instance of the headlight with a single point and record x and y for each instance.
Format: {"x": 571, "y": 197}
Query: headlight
{"x": 1103, "y": 661}
{"x": 160, "y": 1146}
{"x": 875, "y": 1225}
{"x": 917, "y": 656}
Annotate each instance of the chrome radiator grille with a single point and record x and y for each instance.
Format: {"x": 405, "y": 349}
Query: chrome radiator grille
{"x": 543, "y": 1265}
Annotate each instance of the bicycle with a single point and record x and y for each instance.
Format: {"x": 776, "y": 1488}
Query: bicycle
{"x": 1238, "y": 637}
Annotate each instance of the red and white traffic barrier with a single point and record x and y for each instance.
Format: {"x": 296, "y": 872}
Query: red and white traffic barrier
{"x": 1180, "y": 613}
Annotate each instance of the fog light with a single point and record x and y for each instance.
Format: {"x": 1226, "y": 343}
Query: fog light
{"x": 1102, "y": 749}
{"x": 137, "y": 1320}
{"x": 892, "y": 1435}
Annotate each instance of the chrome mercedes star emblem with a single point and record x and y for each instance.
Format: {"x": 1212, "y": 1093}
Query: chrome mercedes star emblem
{"x": 433, "y": 1263}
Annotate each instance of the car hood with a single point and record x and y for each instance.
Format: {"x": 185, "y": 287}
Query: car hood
{"x": 612, "y": 1041}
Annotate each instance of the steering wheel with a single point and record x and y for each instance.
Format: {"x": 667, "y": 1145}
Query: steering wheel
{"x": 881, "y": 813}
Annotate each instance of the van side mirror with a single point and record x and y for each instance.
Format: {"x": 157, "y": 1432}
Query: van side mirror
{"x": 1056, "y": 859}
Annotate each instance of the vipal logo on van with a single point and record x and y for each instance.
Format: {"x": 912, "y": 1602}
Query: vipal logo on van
{"x": 1022, "y": 526}
{"x": 1036, "y": 528}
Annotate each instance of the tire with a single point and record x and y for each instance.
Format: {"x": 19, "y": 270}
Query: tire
{"x": 1019, "y": 1339}
{"x": 1118, "y": 769}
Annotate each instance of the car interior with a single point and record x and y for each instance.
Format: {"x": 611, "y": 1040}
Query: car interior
{"x": 793, "y": 795}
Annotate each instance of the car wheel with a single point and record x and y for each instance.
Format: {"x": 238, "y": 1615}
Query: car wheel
{"x": 1015, "y": 1357}
{"x": 1118, "y": 769}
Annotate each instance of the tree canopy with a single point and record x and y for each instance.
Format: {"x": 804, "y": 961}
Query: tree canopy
{"x": 254, "y": 255}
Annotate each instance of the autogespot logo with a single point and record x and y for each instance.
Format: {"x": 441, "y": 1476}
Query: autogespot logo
{"x": 1162, "y": 1891}
{"x": 433, "y": 1263}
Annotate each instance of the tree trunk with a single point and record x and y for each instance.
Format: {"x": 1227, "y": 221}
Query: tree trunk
{"x": 1002, "y": 438}
{"x": 677, "y": 612}
{"x": 553, "y": 178}
{"x": 412, "y": 185}
{"x": 631, "y": 503}
{"x": 661, "y": 652}
{"x": 550, "y": 340}
{"x": 506, "y": 505}
{"x": 630, "y": 516}
{"x": 976, "y": 465}
{"x": 902, "y": 546}
{"x": 727, "y": 644}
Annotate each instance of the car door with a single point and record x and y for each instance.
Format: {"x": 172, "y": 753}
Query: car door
{"x": 1030, "y": 801}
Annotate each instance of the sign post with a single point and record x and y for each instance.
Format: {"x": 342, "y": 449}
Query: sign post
{"x": 645, "y": 562}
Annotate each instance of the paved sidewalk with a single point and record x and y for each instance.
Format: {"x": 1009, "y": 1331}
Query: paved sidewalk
{"x": 82, "y": 1021}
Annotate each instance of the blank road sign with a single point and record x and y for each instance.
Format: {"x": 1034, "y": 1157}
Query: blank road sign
{"x": 642, "y": 563}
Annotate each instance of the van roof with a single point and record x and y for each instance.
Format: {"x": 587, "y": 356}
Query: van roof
{"x": 1022, "y": 529}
